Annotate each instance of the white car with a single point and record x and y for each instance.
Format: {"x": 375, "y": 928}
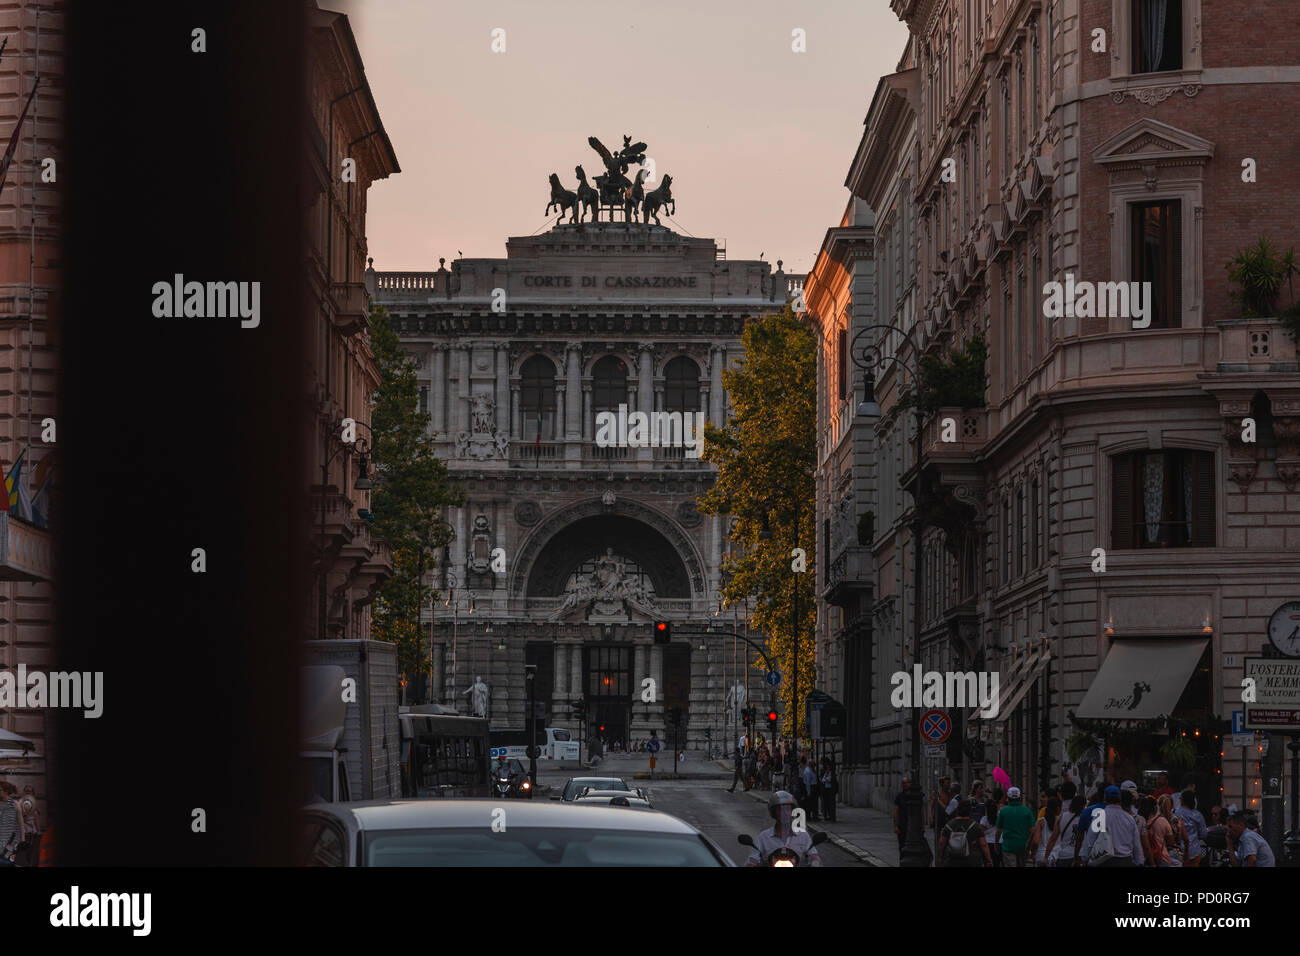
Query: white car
{"x": 613, "y": 798}
{"x": 485, "y": 833}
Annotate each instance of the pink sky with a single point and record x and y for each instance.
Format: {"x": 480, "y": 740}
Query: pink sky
{"x": 757, "y": 138}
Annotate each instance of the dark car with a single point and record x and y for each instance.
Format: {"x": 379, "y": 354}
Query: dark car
{"x": 484, "y": 833}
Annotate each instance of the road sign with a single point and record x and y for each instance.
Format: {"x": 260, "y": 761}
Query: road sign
{"x": 773, "y": 678}
{"x": 935, "y": 726}
{"x": 934, "y": 750}
{"x": 1276, "y": 707}
{"x": 1238, "y": 721}
{"x": 653, "y": 746}
{"x": 1243, "y": 740}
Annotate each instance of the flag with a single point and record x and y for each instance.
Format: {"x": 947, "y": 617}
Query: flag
{"x": 40, "y": 506}
{"x": 13, "y": 482}
{"x": 13, "y": 140}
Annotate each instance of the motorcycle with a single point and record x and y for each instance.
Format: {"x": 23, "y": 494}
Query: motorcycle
{"x": 783, "y": 856}
{"x": 506, "y": 786}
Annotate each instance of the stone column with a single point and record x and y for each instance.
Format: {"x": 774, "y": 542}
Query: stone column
{"x": 516, "y": 424}
{"x": 715, "y": 386}
{"x": 463, "y": 361}
{"x": 576, "y": 685}
{"x": 645, "y": 379}
{"x": 561, "y": 671}
{"x": 558, "y": 425}
{"x": 438, "y": 387}
{"x": 657, "y": 672}
{"x": 586, "y": 412}
{"x": 573, "y": 425}
{"x": 503, "y": 390}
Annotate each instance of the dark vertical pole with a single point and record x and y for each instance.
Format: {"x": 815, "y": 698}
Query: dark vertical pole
{"x": 1291, "y": 845}
{"x": 915, "y": 850}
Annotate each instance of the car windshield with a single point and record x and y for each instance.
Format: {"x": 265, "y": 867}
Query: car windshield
{"x": 535, "y": 846}
{"x": 576, "y": 785}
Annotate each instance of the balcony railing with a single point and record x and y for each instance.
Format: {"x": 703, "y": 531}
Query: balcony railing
{"x": 26, "y": 552}
{"x": 534, "y": 451}
{"x": 849, "y": 571}
{"x": 955, "y": 432}
{"x": 1256, "y": 345}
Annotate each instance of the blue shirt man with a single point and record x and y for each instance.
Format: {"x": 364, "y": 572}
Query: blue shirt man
{"x": 1195, "y": 825}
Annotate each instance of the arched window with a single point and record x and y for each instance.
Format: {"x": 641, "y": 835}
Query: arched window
{"x": 608, "y": 384}
{"x": 681, "y": 386}
{"x": 537, "y": 398}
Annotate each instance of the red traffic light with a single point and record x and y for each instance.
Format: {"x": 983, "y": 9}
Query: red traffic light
{"x": 771, "y": 715}
{"x": 661, "y": 625}
{"x": 602, "y": 728}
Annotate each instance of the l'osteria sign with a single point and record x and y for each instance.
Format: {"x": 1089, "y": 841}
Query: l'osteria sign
{"x": 1276, "y": 691}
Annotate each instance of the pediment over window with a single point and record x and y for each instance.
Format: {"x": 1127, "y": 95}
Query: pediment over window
{"x": 1151, "y": 141}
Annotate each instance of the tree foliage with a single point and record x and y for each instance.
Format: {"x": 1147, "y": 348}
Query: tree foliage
{"x": 766, "y": 456}
{"x": 411, "y": 491}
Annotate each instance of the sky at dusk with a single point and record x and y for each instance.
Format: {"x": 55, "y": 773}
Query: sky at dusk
{"x": 757, "y": 138}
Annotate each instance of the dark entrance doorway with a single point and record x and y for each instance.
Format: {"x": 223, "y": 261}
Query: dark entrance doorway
{"x": 609, "y": 691}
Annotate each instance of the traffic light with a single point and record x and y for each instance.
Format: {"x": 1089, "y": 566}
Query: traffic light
{"x": 744, "y": 713}
{"x": 663, "y": 632}
{"x": 771, "y": 718}
{"x": 579, "y": 709}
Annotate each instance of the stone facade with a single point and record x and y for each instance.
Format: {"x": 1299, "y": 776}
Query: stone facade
{"x": 348, "y": 562}
{"x": 1024, "y": 156}
{"x": 567, "y": 550}
{"x": 29, "y": 320}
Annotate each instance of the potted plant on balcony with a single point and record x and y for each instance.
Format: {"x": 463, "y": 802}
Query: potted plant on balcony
{"x": 1260, "y": 271}
{"x": 957, "y": 381}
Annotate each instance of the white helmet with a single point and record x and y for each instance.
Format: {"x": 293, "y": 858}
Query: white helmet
{"x": 782, "y": 798}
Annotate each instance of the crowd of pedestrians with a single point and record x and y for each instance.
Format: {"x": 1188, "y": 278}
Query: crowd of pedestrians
{"x": 783, "y": 767}
{"x": 1110, "y": 826}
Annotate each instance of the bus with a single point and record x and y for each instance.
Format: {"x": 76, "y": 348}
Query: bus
{"x": 444, "y": 755}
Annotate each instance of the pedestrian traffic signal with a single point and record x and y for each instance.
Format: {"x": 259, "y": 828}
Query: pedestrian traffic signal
{"x": 663, "y": 632}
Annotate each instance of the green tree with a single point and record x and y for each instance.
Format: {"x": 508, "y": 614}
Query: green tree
{"x": 411, "y": 491}
{"x": 766, "y": 456}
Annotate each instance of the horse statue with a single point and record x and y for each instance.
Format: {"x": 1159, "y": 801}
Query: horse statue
{"x": 562, "y": 199}
{"x": 587, "y": 195}
{"x": 657, "y": 199}
{"x": 633, "y": 196}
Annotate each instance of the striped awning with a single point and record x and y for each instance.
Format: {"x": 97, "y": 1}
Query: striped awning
{"x": 1021, "y": 667}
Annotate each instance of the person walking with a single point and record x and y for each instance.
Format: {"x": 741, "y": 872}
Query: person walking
{"x": 1127, "y": 801}
{"x": 1115, "y": 842}
{"x": 808, "y": 774}
{"x": 989, "y": 823}
{"x": 939, "y": 803}
{"x": 738, "y": 774}
{"x": 1043, "y": 830}
{"x": 751, "y": 769}
{"x": 829, "y": 784}
{"x": 1194, "y": 825}
{"x": 1013, "y": 825}
{"x": 961, "y": 841}
{"x": 1098, "y": 805}
{"x": 11, "y": 823}
{"x": 1060, "y": 848}
{"x": 900, "y": 814}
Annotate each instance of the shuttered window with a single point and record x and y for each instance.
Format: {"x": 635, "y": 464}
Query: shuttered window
{"x": 1157, "y": 256}
{"x": 1162, "y": 499}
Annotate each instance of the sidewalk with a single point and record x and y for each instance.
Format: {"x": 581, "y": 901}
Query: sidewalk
{"x": 862, "y": 832}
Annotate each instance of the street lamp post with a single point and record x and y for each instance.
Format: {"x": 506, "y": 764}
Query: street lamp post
{"x": 530, "y": 674}
{"x": 868, "y": 358}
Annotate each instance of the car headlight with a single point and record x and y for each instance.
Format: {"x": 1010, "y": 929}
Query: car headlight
{"x": 528, "y": 785}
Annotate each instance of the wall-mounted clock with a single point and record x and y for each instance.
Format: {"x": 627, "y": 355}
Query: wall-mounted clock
{"x": 1284, "y": 629}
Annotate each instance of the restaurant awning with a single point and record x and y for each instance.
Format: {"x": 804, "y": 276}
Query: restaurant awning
{"x": 1020, "y": 668}
{"x": 1142, "y": 678}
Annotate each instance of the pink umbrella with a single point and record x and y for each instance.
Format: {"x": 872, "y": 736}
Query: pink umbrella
{"x": 1001, "y": 777}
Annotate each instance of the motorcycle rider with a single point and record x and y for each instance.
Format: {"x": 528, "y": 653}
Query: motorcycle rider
{"x": 781, "y": 806}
